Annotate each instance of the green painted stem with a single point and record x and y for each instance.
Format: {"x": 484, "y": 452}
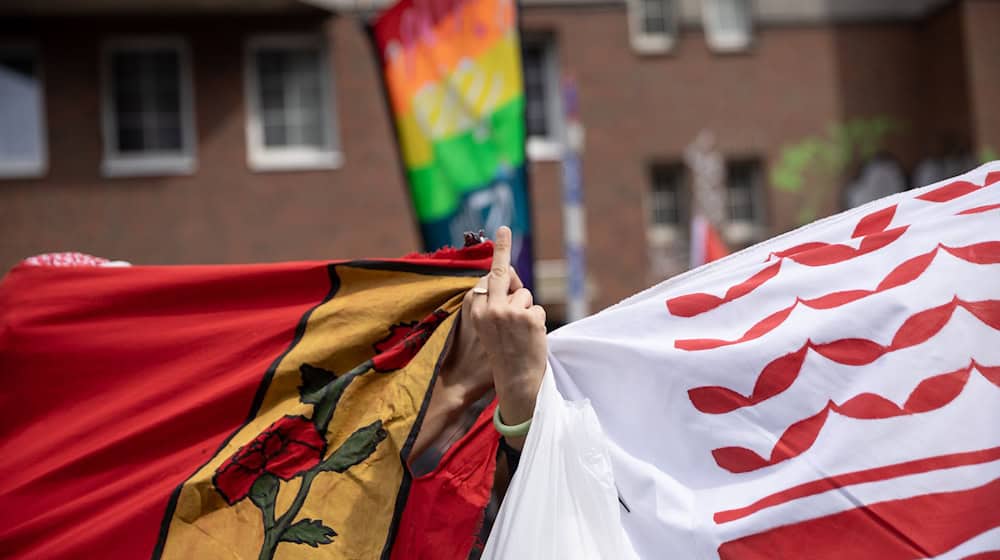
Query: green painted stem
{"x": 272, "y": 536}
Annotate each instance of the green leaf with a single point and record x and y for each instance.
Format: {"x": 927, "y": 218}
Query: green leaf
{"x": 315, "y": 381}
{"x": 358, "y": 447}
{"x": 264, "y": 490}
{"x": 331, "y": 396}
{"x": 308, "y": 531}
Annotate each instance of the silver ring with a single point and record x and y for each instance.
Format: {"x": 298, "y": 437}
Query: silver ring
{"x": 480, "y": 291}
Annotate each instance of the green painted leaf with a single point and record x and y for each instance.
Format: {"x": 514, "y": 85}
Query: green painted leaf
{"x": 264, "y": 490}
{"x": 331, "y": 396}
{"x": 308, "y": 531}
{"x": 315, "y": 381}
{"x": 358, "y": 447}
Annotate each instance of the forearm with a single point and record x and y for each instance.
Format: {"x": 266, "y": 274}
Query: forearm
{"x": 447, "y": 403}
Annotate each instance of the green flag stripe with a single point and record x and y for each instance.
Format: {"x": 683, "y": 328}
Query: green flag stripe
{"x": 464, "y": 162}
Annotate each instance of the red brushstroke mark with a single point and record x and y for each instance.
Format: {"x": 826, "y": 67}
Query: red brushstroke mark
{"x": 950, "y": 191}
{"x": 921, "y": 526}
{"x": 887, "y": 472}
{"x": 980, "y": 253}
{"x": 875, "y": 222}
{"x": 911, "y": 269}
{"x": 922, "y": 325}
{"x": 930, "y": 394}
{"x": 955, "y": 189}
{"x": 851, "y": 351}
{"x": 773, "y": 379}
{"x": 988, "y": 555}
{"x": 978, "y": 209}
{"x": 809, "y": 246}
{"x": 696, "y": 304}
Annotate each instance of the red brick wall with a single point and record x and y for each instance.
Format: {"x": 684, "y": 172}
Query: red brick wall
{"x": 223, "y": 212}
{"x": 982, "y": 45}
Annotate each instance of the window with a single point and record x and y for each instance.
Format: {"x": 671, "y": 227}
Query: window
{"x": 727, "y": 24}
{"x": 745, "y": 212}
{"x": 667, "y": 204}
{"x": 290, "y": 121}
{"x": 665, "y": 198}
{"x": 653, "y": 24}
{"x": 148, "y": 111}
{"x": 543, "y": 105}
{"x": 23, "y": 151}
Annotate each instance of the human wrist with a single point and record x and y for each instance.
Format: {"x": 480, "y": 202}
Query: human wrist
{"x": 516, "y": 397}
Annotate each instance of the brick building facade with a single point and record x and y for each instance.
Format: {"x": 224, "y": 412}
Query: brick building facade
{"x": 818, "y": 91}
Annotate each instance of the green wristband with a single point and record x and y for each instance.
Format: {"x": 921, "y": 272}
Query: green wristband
{"x": 517, "y": 430}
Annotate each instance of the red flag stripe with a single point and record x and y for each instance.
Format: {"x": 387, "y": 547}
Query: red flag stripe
{"x": 887, "y": 472}
{"x": 979, "y": 209}
{"x": 909, "y": 528}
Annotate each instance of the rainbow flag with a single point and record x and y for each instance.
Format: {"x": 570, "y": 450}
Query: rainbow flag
{"x": 453, "y": 75}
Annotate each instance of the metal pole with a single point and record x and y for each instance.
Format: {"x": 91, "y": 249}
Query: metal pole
{"x": 574, "y": 226}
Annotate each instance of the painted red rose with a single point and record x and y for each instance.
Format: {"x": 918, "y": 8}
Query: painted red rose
{"x": 286, "y": 448}
{"x": 404, "y": 341}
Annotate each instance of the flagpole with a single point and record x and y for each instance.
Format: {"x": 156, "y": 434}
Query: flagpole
{"x": 574, "y": 226}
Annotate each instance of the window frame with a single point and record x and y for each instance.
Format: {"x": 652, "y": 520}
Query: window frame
{"x": 30, "y": 169}
{"x": 550, "y": 146}
{"x": 646, "y": 43}
{"x": 151, "y": 163}
{"x": 726, "y": 40}
{"x": 261, "y": 158}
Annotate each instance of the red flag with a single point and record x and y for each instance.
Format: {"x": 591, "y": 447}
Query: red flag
{"x": 196, "y": 411}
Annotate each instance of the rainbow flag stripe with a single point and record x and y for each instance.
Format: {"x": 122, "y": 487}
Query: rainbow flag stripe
{"x": 452, "y": 69}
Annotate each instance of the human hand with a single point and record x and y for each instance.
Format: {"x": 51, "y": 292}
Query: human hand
{"x": 511, "y": 330}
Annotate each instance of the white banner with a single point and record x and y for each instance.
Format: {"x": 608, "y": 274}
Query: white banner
{"x": 831, "y": 393}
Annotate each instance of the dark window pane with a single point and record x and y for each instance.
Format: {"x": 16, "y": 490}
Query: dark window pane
{"x": 290, "y": 97}
{"x": 168, "y": 138}
{"x": 146, "y": 88}
{"x": 275, "y": 136}
{"x": 272, "y": 96}
{"x": 22, "y": 64}
{"x": 126, "y": 69}
{"x": 658, "y": 16}
{"x": 130, "y": 139}
{"x": 666, "y": 196}
{"x": 127, "y": 101}
{"x": 21, "y": 137}
{"x": 742, "y": 191}
{"x": 312, "y": 134}
{"x": 270, "y": 62}
{"x": 535, "y": 91}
